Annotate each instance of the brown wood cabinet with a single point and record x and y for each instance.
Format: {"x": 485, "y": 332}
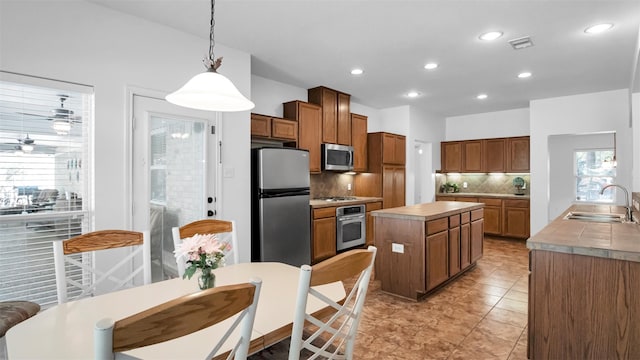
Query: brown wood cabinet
{"x": 323, "y": 241}
{"x": 370, "y": 229}
{"x": 437, "y": 254}
{"x": 502, "y": 216}
{"x": 492, "y": 215}
{"x": 583, "y": 307}
{"x": 486, "y": 155}
{"x": 269, "y": 127}
{"x": 359, "y": 142}
{"x": 336, "y": 114}
{"x": 454, "y": 245}
{"x": 309, "y": 121}
{"x": 451, "y": 156}
{"x": 416, "y": 257}
{"x": 518, "y": 154}
{"x": 385, "y": 180}
{"x": 393, "y": 149}
{"x": 472, "y": 160}
{"x": 477, "y": 234}
{"x": 516, "y": 218}
{"x": 495, "y": 155}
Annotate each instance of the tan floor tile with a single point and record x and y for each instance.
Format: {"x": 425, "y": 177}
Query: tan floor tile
{"x": 517, "y": 295}
{"x": 513, "y": 305}
{"x": 508, "y": 317}
{"x": 499, "y": 330}
{"x": 519, "y": 352}
{"x": 491, "y": 289}
{"x": 484, "y": 342}
{"x": 476, "y": 295}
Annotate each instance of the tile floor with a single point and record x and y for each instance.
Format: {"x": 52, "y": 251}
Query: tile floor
{"x": 481, "y": 315}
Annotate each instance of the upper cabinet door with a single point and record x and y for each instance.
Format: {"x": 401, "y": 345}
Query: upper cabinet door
{"x": 495, "y": 155}
{"x": 359, "y": 142}
{"x": 472, "y": 160}
{"x": 451, "y": 156}
{"x": 518, "y": 154}
{"x": 344, "y": 119}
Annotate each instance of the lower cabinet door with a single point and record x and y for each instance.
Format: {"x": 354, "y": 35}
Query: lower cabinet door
{"x": 477, "y": 239}
{"x": 324, "y": 239}
{"x": 437, "y": 259}
{"x": 454, "y": 251}
{"x": 465, "y": 245}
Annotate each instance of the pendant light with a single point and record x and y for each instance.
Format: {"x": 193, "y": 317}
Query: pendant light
{"x": 210, "y": 90}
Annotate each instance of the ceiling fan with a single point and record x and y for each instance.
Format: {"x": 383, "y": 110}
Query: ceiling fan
{"x": 62, "y": 117}
{"x": 24, "y": 145}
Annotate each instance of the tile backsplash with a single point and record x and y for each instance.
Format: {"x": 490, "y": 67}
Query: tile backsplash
{"x": 483, "y": 183}
{"x": 330, "y": 184}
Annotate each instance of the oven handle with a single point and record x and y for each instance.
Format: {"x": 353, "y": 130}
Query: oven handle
{"x": 351, "y": 217}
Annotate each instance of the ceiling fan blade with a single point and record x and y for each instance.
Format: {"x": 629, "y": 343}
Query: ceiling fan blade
{"x": 36, "y": 115}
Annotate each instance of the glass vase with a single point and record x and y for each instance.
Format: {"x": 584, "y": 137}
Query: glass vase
{"x": 207, "y": 279}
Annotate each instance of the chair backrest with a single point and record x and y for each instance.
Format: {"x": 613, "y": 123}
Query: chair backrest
{"x": 225, "y": 228}
{"x": 335, "y": 337}
{"x": 119, "y": 276}
{"x": 170, "y": 320}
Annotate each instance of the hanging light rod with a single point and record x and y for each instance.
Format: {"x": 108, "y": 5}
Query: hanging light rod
{"x": 210, "y": 90}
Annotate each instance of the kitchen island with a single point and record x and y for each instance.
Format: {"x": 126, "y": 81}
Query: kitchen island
{"x": 422, "y": 247}
{"x": 584, "y": 288}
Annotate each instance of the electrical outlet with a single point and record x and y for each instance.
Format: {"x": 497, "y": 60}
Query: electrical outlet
{"x": 397, "y": 248}
{"x": 349, "y": 186}
{"x": 464, "y": 185}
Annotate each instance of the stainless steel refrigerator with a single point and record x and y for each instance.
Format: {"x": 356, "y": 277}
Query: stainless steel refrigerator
{"x": 280, "y": 213}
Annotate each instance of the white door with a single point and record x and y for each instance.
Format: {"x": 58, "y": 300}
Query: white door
{"x": 175, "y": 160}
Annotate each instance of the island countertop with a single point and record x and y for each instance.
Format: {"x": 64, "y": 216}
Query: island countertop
{"x": 607, "y": 240}
{"x": 427, "y": 211}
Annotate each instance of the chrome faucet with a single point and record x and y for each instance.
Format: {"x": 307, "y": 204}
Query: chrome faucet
{"x": 629, "y": 214}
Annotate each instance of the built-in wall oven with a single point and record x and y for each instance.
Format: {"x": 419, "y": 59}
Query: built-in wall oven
{"x": 351, "y": 226}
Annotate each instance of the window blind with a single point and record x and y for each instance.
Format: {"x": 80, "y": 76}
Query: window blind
{"x": 44, "y": 180}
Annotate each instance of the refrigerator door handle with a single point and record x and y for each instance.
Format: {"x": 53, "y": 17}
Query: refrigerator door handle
{"x": 283, "y": 194}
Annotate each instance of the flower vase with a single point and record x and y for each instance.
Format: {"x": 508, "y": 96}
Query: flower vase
{"x": 207, "y": 279}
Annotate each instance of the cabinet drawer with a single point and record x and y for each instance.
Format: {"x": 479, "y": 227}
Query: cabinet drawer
{"x": 516, "y": 203}
{"x": 465, "y": 217}
{"x": 454, "y": 221}
{"x": 436, "y": 226}
{"x": 373, "y": 206}
{"x": 324, "y": 212}
{"x": 284, "y": 129}
{"x": 260, "y": 125}
{"x": 466, "y": 199}
{"x": 491, "y": 202}
{"x": 477, "y": 214}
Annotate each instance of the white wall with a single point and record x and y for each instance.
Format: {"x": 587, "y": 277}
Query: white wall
{"x": 269, "y": 95}
{"x": 424, "y": 128}
{"x": 635, "y": 105}
{"x": 561, "y": 167}
{"x": 80, "y": 42}
{"x": 577, "y": 114}
{"x": 488, "y": 125}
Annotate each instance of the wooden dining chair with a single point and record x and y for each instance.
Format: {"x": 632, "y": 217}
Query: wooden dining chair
{"x": 183, "y": 316}
{"x": 77, "y": 254}
{"x": 335, "y": 337}
{"x": 11, "y": 314}
{"x": 226, "y": 229}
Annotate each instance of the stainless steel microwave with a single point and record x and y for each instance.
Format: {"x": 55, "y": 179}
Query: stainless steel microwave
{"x": 337, "y": 157}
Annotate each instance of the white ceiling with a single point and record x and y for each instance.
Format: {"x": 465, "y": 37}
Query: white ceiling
{"x": 307, "y": 43}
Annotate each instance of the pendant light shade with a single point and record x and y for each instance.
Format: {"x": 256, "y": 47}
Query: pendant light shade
{"x": 210, "y": 91}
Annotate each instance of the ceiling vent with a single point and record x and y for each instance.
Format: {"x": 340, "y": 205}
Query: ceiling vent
{"x": 521, "y": 43}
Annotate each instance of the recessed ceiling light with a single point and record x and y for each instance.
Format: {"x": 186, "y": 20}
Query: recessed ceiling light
{"x": 413, "y": 94}
{"x": 357, "y": 72}
{"x": 431, "y": 66}
{"x": 524, "y": 75}
{"x": 482, "y": 96}
{"x": 491, "y": 35}
{"x": 596, "y": 29}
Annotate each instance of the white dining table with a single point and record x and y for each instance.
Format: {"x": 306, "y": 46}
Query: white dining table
{"x": 65, "y": 331}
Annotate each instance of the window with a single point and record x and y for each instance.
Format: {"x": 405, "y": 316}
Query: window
{"x": 594, "y": 169}
{"x": 44, "y": 180}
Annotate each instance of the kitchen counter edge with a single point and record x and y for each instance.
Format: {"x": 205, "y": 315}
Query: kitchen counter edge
{"x": 428, "y": 211}
{"x": 620, "y": 241}
{"x": 315, "y": 204}
{"x": 484, "y": 195}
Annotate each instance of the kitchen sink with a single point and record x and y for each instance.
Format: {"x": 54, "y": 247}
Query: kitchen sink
{"x": 597, "y": 217}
